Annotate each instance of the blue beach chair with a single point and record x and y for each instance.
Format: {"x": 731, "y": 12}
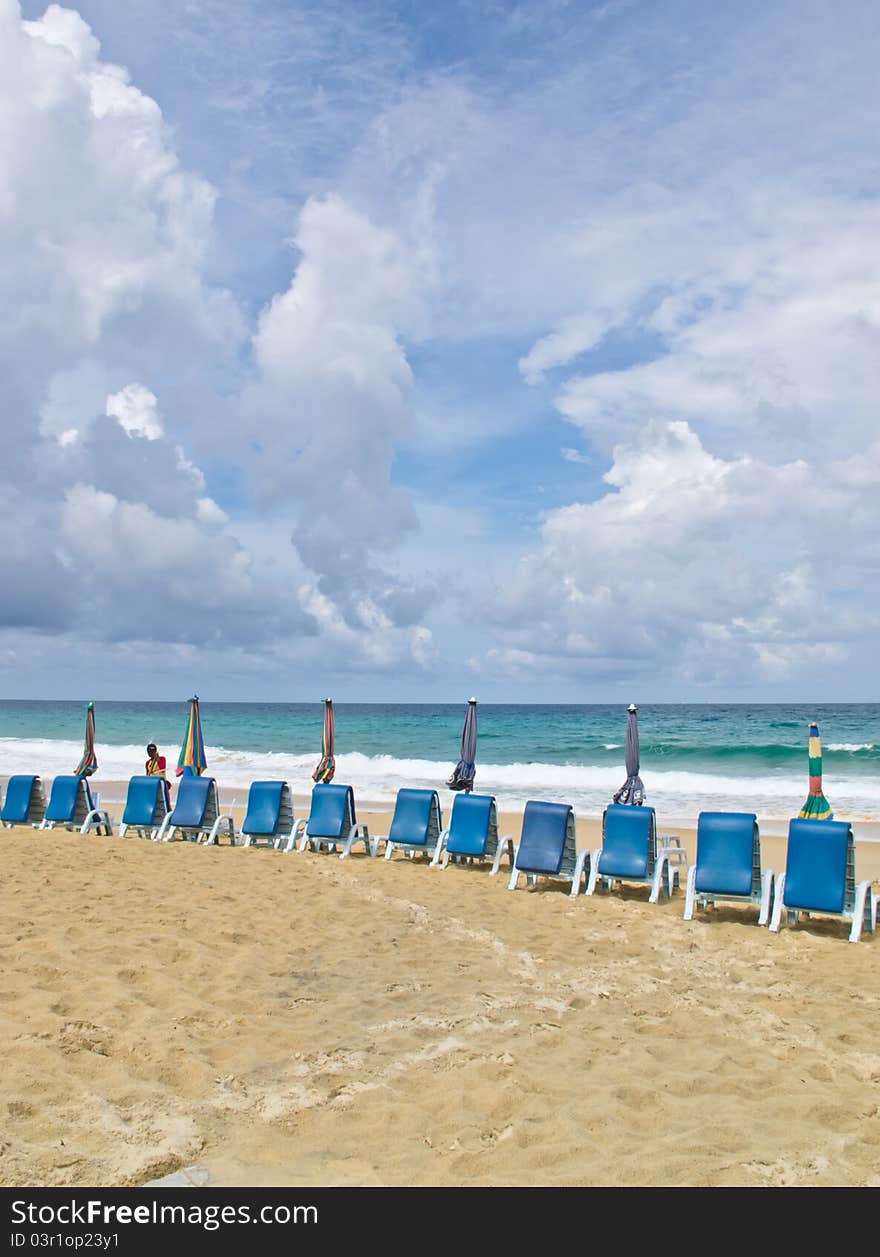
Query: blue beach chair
{"x": 416, "y": 824}
{"x": 331, "y": 823}
{"x": 146, "y": 806}
{"x": 728, "y": 864}
{"x": 25, "y": 802}
{"x": 547, "y": 846}
{"x": 196, "y": 815}
{"x": 269, "y": 819}
{"x": 71, "y": 805}
{"x": 473, "y": 834}
{"x": 629, "y": 851}
{"x": 820, "y": 877}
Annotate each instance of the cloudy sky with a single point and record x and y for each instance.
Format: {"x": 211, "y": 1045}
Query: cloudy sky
{"x": 404, "y": 352}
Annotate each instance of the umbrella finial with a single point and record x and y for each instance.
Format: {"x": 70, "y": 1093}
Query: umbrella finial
{"x": 472, "y": 700}
{"x": 632, "y": 707}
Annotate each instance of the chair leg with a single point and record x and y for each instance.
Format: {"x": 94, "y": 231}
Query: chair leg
{"x": 579, "y": 864}
{"x": 505, "y": 845}
{"x": 861, "y": 910}
{"x": 594, "y": 871}
{"x": 657, "y": 881}
{"x": 766, "y": 895}
{"x": 690, "y": 893}
{"x": 778, "y": 903}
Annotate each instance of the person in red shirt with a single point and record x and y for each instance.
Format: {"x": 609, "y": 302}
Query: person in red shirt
{"x": 156, "y": 768}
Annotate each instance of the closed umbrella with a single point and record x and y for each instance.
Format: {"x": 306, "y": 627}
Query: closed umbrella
{"x": 89, "y": 762}
{"x": 327, "y": 767}
{"x": 465, "y": 770}
{"x": 192, "y": 761}
{"x": 816, "y": 807}
{"x": 633, "y": 790}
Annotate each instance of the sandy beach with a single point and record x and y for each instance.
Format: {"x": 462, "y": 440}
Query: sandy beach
{"x": 300, "y": 1020}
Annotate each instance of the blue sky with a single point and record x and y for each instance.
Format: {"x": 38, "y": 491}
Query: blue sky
{"x": 401, "y": 352}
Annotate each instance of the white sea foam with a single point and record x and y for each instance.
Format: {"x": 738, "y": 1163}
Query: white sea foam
{"x": 850, "y": 746}
{"x": 377, "y": 778}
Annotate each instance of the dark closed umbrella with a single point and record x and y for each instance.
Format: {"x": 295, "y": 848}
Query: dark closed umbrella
{"x": 465, "y": 770}
{"x": 633, "y": 790}
{"x": 327, "y": 767}
{"x": 89, "y": 762}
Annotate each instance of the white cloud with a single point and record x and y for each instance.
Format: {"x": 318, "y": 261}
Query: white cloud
{"x": 574, "y": 336}
{"x": 135, "y": 407}
{"x": 330, "y": 401}
{"x": 696, "y": 564}
{"x": 208, "y": 512}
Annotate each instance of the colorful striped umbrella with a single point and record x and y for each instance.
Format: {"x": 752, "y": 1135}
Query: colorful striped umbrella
{"x": 89, "y": 762}
{"x": 465, "y": 770}
{"x": 816, "y": 806}
{"x": 192, "y": 754}
{"x": 327, "y": 767}
{"x": 633, "y": 790}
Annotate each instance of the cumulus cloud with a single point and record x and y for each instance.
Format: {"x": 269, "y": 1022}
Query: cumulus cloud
{"x": 135, "y": 408}
{"x": 112, "y": 345}
{"x": 330, "y": 402}
{"x": 696, "y": 564}
{"x": 103, "y": 243}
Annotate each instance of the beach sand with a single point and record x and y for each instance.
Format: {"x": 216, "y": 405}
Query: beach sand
{"x": 300, "y": 1020}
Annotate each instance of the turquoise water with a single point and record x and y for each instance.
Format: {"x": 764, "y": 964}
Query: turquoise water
{"x": 693, "y": 756}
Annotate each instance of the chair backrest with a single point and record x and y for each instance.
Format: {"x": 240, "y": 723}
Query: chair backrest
{"x": 728, "y": 853}
{"x": 332, "y": 811}
{"x": 144, "y": 802}
{"x": 17, "y": 805}
{"x": 66, "y": 794}
{"x": 819, "y": 866}
{"x": 629, "y": 841}
{"x": 546, "y": 828}
{"x": 473, "y": 819}
{"x": 416, "y": 821}
{"x": 191, "y": 807}
{"x": 264, "y": 807}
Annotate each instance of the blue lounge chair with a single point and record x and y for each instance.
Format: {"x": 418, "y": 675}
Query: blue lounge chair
{"x": 71, "y": 804}
{"x": 269, "y": 819}
{"x": 331, "y": 823}
{"x": 473, "y": 833}
{"x": 728, "y": 864}
{"x": 820, "y": 877}
{"x": 416, "y": 824}
{"x": 196, "y": 815}
{"x": 25, "y": 802}
{"x": 547, "y": 846}
{"x": 146, "y": 806}
{"x": 629, "y": 851}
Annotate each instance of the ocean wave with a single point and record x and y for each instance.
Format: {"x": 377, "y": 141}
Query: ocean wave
{"x": 853, "y": 747}
{"x": 674, "y": 792}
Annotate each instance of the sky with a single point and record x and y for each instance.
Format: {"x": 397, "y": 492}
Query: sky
{"x": 400, "y": 352}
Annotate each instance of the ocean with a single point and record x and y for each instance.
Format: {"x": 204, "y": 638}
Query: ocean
{"x": 694, "y": 757}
